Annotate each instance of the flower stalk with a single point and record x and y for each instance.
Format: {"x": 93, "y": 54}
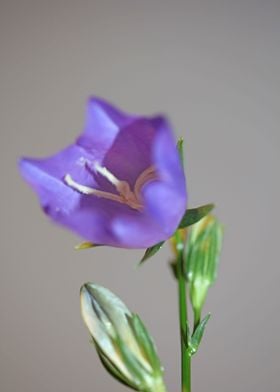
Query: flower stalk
{"x": 185, "y": 357}
{"x": 183, "y": 315}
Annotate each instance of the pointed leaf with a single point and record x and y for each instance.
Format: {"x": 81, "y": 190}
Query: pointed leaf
{"x": 194, "y": 215}
{"x": 151, "y": 251}
{"x": 198, "y": 334}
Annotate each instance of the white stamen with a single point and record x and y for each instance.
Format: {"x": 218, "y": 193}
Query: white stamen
{"x": 85, "y": 190}
{"x": 126, "y": 195}
{"x": 107, "y": 174}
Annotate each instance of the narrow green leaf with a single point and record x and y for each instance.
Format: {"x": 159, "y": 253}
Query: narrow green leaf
{"x": 151, "y": 251}
{"x": 193, "y": 215}
{"x": 198, "y": 334}
{"x": 134, "y": 366}
{"x": 144, "y": 340}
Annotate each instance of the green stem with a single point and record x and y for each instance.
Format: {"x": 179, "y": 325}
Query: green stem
{"x": 183, "y": 315}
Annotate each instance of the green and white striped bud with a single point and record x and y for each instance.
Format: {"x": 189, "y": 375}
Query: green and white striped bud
{"x": 121, "y": 340}
{"x": 201, "y": 256}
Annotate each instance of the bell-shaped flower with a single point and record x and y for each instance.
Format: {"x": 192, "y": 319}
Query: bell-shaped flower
{"x": 120, "y": 184}
{"x": 122, "y": 342}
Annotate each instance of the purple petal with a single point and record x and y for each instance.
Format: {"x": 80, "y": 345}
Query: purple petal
{"x": 131, "y": 152}
{"x": 142, "y": 232}
{"x": 85, "y": 215}
{"x": 103, "y": 123}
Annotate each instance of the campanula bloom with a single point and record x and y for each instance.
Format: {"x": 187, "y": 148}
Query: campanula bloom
{"x": 120, "y": 184}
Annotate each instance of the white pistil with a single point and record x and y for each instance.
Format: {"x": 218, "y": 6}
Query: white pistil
{"x": 126, "y": 195}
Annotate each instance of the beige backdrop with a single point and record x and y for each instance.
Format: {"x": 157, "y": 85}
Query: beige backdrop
{"x": 213, "y": 67}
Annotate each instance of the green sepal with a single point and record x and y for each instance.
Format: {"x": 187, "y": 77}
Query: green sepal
{"x": 133, "y": 365}
{"x": 180, "y": 148}
{"x": 197, "y": 335}
{"x": 145, "y": 341}
{"x": 193, "y": 215}
{"x": 112, "y": 369}
{"x": 86, "y": 245}
{"x": 151, "y": 251}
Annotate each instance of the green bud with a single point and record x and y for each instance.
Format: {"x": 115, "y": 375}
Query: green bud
{"x": 121, "y": 340}
{"x": 201, "y": 256}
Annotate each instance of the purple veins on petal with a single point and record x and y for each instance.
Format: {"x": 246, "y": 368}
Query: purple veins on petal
{"x": 120, "y": 184}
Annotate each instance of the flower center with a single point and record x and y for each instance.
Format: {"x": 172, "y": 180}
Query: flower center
{"x": 125, "y": 195}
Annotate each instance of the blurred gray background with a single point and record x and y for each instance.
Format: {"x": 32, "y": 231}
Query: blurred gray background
{"x": 213, "y": 68}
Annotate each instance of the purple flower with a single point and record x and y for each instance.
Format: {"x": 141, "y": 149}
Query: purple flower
{"x": 120, "y": 184}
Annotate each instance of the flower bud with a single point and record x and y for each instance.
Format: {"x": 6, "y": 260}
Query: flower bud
{"x": 202, "y": 253}
{"x": 121, "y": 340}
